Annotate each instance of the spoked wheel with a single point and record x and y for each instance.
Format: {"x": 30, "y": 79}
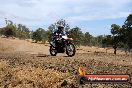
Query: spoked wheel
{"x": 53, "y": 51}
{"x": 70, "y": 50}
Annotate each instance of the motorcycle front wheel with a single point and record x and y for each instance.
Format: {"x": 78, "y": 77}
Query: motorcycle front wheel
{"x": 70, "y": 50}
{"x": 53, "y": 51}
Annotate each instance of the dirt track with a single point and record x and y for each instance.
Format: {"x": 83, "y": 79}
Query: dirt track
{"x": 28, "y": 65}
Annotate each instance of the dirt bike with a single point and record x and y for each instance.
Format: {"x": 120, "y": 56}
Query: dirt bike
{"x": 63, "y": 44}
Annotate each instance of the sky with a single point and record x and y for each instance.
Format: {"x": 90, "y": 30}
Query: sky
{"x": 93, "y": 16}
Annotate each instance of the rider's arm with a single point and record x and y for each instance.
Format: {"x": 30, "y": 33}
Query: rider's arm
{"x": 55, "y": 35}
{"x": 63, "y": 34}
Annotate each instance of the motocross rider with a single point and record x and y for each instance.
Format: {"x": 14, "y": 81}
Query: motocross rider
{"x": 60, "y": 31}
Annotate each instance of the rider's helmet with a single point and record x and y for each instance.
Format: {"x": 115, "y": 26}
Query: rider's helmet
{"x": 61, "y": 28}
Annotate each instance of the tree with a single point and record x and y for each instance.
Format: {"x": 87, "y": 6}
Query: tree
{"x": 114, "y": 39}
{"x": 87, "y": 38}
{"x": 107, "y": 41}
{"x": 9, "y": 30}
{"x": 1, "y": 31}
{"x": 99, "y": 40}
{"x": 115, "y": 30}
{"x": 121, "y": 36}
{"x": 50, "y": 31}
{"x": 22, "y": 32}
{"x": 77, "y": 35}
{"x": 125, "y": 34}
{"x": 127, "y": 28}
{"x": 54, "y": 27}
{"x": 39, "y": 35}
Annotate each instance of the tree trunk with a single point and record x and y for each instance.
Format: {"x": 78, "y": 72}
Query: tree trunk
{"x": 115, "y": 48}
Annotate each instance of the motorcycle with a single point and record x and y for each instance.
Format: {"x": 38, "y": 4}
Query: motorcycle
{"x": 62, "y": 44}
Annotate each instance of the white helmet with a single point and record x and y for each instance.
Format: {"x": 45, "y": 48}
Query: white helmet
{"x": 60, "y": 26}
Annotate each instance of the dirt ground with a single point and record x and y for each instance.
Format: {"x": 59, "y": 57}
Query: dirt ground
{"x": 24, "y": 64}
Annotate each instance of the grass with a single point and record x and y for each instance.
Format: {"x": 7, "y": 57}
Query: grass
{"x": 26, "y": 76}
{"x": 21, "y": 70}
{"x": 4, "y": 48}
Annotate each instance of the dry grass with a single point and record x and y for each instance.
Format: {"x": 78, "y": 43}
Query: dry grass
{"x": 87, "y": 49}
{"x": 46, "y": 77}
{"x": 5, "y": 49}
{"x": 28, "y": 77}
{"x": 3, "y": 65}
{"x": 40, "y": 70}
{"x": 16, "y": 45}
{"x": 25, "y": 71}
